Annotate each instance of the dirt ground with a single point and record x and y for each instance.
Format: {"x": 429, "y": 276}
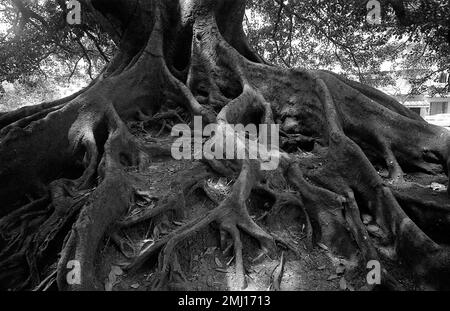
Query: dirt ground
{"x": 205, "y": 267}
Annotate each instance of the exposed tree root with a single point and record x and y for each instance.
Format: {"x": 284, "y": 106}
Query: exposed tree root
{"x": 231, "y": 215}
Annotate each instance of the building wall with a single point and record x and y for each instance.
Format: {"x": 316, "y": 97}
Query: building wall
{"x": 424, "y": 111}
{"x": 424, "y": 105}
{"x": 421, "y": 111}
{"x": 437, "y": 107}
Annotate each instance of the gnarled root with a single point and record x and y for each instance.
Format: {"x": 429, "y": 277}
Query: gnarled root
{"x": 231, "y": 215}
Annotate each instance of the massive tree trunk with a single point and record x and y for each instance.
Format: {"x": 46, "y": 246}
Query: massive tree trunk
{"x": 65, "y": 178}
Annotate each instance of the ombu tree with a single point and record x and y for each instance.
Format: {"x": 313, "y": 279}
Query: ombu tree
{"x": 64, "y": 165}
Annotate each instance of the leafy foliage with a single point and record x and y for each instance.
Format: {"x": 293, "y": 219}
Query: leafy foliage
{"x": 412, "y": 41}
{"x": 35, "y": 32}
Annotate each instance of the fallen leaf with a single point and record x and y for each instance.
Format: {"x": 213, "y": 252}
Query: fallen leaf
{"x": 230, "y": 261}
{"x": 140, "y": 204}
{"x": 366, "y": 219}
{"x": 221, "y": 270}
{"x": 218, "y": 263}
{"x": 137, "y": 210}
{"x": 210, "y": 281}
{"x": 322, "y": 246}
{"x": 333, "y": 277}
{"x": 145, "y": 195}
{"x": 116, "y": 270}
{"x": 437, "y": 187}
{"x": 108, "y": 286}
{"x": 340, "y": 269}
{"x": 343, "y": 284}
{"x": 210, "y": 250}
{"x": 136, "y": 285}
{"x": 147, "y": 243}
{"x": 112, "y": 277}
{"x": 156, "y": 233}
{"x": 375, "y": 231}
{"x": 372, "y": 228}
{"x": 123, "y": 264}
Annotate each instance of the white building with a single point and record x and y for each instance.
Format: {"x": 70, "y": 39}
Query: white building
{"x": 425, "y": 105}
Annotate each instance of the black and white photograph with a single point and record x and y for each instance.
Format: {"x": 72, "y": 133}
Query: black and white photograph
{"x": 225, "y": 150}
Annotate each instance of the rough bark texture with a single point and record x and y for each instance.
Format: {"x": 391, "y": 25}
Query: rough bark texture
{"x": 64, "y": 181}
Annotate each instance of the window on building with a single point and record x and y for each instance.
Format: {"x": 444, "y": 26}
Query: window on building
{"x": 438, "y": 107}
{"x": 416, "y": 110}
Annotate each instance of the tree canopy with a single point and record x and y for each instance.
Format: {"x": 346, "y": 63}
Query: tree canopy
{"x": 35, "y": 38}
{"x": 411, "y": 42}
{"x": 335, "y": 35}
